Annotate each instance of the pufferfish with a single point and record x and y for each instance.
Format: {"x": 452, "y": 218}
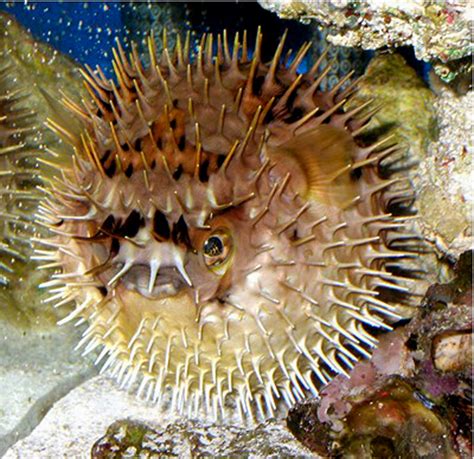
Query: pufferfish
{"x": 220, "y": 227}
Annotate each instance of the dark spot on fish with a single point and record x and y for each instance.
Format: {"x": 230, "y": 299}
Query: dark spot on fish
{"x": 161, "y": 227}
{"x": 129, "y": 170}
{"x": 356, "y": 173}
{"x": 125, "y": 147}
{"x": 268, "y": 117}
{"x": 102, "y": 290}
{"x": 296, "y": 114}
{"x": 203, "y": 171}
{"x": 220, "y": 160}
{"x": 178, "y": 172}
{"x": 109, "y": 224}
{"x": 291, "y": 100}
{"x": 110, "y": 171}
{"x": 107, "y": 106}
{"x": 138, "y": 145}
{"x": 182, "y": 143}
{"x": 105, "y": 156}
{"x": 159, "y": 143}
{"x": 114, "y": 247}
{"x": 257, "y": 84}
{"x": 173, "y": 124}
{"x": 132, "y": 224}
{"x": 180, "y": 233}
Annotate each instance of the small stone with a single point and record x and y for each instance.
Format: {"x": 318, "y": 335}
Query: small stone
{"x": 453, "y": 352}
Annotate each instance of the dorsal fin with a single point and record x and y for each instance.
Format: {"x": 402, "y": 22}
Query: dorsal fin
{"x": 324, "y": 158}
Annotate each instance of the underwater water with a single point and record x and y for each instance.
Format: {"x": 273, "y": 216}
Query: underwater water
{"x": 86, "y": 32}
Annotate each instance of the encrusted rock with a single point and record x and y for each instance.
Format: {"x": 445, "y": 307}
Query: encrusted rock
{"x": 85, "y": 422}
{"x": 438, "y": 31}
{"x": 434, "y": 127}
{"x": 444, "y": 177}
{"x": 401, "y": 403}
{"x": 452, "y": 351}
{"x": 407, "y": 105}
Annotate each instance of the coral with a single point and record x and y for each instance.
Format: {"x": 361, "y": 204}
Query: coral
{"x": 438, "y": 31}
{"x": 395, "y": 422}
{"x": 444, "y": 177}
{"x": 202, "y": 202}
{"x": 405, "y": 400}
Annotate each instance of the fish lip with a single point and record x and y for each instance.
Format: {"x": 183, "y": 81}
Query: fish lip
{"x": 168, "y": 282}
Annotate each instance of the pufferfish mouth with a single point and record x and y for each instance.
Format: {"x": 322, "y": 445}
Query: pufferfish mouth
{"x": 168, "y": 282}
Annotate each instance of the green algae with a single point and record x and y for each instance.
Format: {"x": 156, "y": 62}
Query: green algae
{"x": 33, "y": 75}
{"x": 406, "y": 103}
{"x": 126, "y": 439}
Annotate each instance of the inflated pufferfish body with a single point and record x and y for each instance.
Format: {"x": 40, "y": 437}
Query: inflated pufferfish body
{"x": 220, "y": 230}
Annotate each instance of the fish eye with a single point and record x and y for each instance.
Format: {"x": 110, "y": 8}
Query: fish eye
{"x": 217, "y": 249}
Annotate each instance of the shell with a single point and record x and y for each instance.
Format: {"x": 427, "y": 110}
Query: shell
{"x": 218, "y": 144}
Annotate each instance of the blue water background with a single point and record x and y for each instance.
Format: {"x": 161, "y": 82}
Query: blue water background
{"x": 84, "y": 30}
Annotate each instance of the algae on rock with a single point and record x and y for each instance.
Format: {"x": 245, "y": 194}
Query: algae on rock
{"x": 435, "y": 130}
{"x": 37, "y": 364}
{"x": 407, "y": 112}
{"x": 406, "y": 103}
{"x": 444, "y": 177}
{"x": 440, "y": 32}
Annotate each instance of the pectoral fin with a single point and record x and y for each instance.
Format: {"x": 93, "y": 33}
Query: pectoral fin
{"x": 322, "y": 163}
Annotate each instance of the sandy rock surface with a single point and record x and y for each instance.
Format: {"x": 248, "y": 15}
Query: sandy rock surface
{"x": 82, "y": 417}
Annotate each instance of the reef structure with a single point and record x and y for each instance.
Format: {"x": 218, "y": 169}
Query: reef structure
{"x": 222, "y": 227}
{"x": 440, "y": 32}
